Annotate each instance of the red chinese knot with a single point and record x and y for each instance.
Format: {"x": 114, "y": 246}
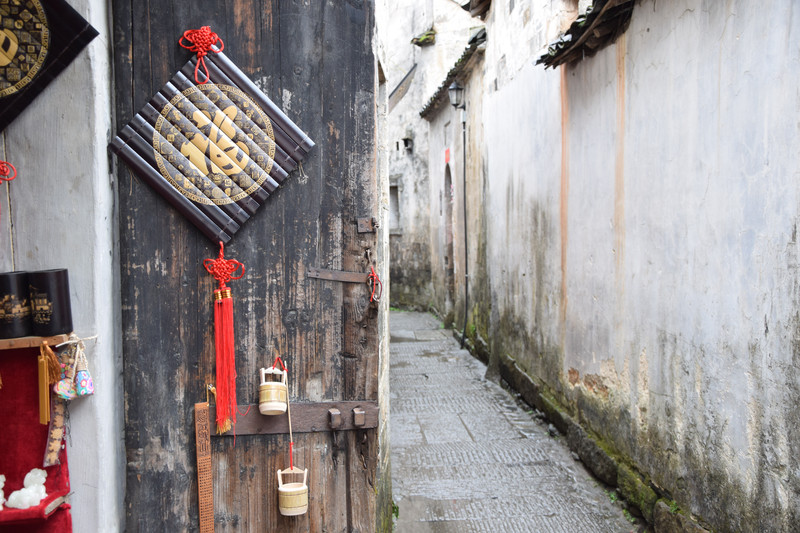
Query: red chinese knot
{"x": 202, "y": 41}
{"x": 223, "y": 269}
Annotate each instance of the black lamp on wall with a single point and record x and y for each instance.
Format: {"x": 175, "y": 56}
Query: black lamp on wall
{"x": 456, "y": 94}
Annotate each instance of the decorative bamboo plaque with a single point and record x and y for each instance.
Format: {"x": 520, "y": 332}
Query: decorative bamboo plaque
{"x": 214, "y": 150}
{"x": 38, "y": 39}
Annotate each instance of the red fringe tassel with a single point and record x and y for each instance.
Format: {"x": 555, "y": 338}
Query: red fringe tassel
{"x": 226, "y": 367}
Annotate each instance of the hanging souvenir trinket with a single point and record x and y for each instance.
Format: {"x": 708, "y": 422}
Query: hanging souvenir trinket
{"x": 84, "y": 385}
{"x": 223, "y": 271}
{"x": 293, "y": 494}
{"x": 272, "y": 393}
{"x": 75, "y": 378}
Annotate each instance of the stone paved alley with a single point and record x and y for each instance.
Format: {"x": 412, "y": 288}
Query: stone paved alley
{"x": 466, "y": 457}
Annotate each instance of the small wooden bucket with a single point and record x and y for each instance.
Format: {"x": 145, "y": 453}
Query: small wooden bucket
{"x": 293, "y": 497}
{"x": 272, "y": 395}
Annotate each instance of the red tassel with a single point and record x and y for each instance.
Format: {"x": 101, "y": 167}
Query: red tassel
{"x": 226, "y": 366}
{"x": 223, "y": 271}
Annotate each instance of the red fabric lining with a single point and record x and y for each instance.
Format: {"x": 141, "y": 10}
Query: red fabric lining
{"x": 22, "y": 444}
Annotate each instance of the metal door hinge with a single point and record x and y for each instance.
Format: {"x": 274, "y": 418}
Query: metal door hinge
{"x": 367, "y": 224}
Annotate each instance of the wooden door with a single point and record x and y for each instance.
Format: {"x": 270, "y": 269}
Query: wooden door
{"x": 314, "y": 59}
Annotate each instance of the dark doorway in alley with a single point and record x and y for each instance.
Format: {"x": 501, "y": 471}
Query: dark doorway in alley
{"x": 449, "y": 260}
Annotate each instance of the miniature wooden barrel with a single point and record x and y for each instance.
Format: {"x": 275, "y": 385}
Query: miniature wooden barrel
{"x": 292, "y": 497}
{"x": 272, "y": 398}
{"x": 272, "y": 395}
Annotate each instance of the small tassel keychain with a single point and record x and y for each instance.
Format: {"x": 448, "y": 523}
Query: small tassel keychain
{"x": 65, "y": 388}
{"x": 84, "y": 385}
{"x": 49, "y": 370}
{"x": 223, "y": 271}
{"x": 75, "y": 378}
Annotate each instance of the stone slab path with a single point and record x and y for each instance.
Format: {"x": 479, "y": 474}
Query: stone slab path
{"x": 466, "y": 457}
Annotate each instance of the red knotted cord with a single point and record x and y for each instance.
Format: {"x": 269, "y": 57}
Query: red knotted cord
{"x": 223, "y": 269}
{"x": 375, "y": 281}
{"x": 279, "y": 360}
{"x": 201, "y": 41}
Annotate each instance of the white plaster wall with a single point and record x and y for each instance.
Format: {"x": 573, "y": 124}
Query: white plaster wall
{"x": 710, "y": 249}
{"x": 651, "y": 190}
{"x": 522, "y": 123}
{"x": 60, "y": 212}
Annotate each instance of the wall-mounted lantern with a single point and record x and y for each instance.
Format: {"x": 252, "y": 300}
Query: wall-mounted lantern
{"x": 456, "y": 94}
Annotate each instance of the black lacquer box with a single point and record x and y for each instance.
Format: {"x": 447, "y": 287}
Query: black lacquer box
{"x": 50, "y": 302}
{"x": 15, "y": 309}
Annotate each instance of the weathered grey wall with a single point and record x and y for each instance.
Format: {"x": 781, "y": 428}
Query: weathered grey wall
{"x": 60, "y": 212}
{"x": 384, "y": 474}
{"x": 643, "y": 241}
{"x": 410, "y": 240}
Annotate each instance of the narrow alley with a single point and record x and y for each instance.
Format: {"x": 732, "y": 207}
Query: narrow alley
{"x": 467, "y": 457}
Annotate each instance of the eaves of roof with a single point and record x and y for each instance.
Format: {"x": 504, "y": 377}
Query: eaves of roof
{"x": 475, "y": 46}
{"x": 600, "y": 26}
{"x": 477, "y": 8}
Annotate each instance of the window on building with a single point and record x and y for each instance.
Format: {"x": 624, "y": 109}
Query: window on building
{"x": 394, "y": 209}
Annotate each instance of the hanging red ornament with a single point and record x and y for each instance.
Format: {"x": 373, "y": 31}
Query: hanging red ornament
{"x": 202, "y": 42}
{"x": 223, "y": 271}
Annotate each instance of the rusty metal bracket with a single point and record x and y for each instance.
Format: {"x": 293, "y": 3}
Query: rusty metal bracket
{"x": 306, "y": 418}
{"x": 337, "y": 275}
{"x": 367, "y": 224}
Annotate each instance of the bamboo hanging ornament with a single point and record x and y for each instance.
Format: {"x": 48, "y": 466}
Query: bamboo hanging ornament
{"x": 273, "y": 392}
{"x": 223, "y": 271}
{"x": 292, "y": 495}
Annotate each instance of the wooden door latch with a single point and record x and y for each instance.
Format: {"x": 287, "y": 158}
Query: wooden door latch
{"x": 337, "y": 275}
{"x": 359, "y": 418}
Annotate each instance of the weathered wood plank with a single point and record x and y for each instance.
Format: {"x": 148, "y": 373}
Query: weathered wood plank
{"x": 360, "y": 315}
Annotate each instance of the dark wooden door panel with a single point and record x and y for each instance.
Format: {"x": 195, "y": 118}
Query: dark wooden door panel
{"x": 315, "y": 60}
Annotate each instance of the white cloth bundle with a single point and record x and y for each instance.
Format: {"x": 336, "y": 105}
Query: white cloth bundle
{"x": 32, "y": 494}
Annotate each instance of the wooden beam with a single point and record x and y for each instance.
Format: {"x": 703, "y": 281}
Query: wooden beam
{"x": 306, "y": 418}
{"x": 31, "y": 342}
